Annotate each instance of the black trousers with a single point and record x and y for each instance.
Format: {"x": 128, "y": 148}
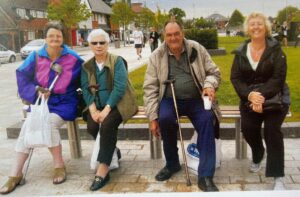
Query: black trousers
{"x": 108, "y": 134}
{"x": 251, "y": 128}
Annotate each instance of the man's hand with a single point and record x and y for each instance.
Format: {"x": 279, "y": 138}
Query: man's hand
{"x": 154, "y": 128}
{"x": 209, "y": 92}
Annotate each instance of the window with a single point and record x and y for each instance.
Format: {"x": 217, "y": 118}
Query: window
{"x": 33, "y": 13}
{"x": 21, "y": 12}
{"x": 31, "y": 35}
{"x": 40, "y": 14}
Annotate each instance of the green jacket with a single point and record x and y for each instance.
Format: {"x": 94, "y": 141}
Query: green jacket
{"x": 127, "y": 105}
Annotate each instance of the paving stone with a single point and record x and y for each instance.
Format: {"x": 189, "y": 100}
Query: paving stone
{"x": 182, "y": 187}
{"x": 132, "y": 187}
{"x": 161, "y": 187}
{"x": 296, "y": 179}
{"x": 245, "y": 179}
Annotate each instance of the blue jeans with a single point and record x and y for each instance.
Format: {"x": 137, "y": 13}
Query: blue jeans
{"x": 202, "y": 120}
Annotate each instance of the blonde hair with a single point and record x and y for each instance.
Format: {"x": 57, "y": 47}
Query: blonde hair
{"x": 258, "y": 15}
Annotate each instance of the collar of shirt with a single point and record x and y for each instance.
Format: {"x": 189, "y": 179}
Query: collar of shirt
{"x": 170, "y": 53}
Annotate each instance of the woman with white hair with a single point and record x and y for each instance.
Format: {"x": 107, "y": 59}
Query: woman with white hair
{"x": 110, "y": 99}
{"x": 258, "y": 74}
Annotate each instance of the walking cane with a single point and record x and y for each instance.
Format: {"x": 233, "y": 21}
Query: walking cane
{"x": 58, "y": 70}
{"x": 188, "y": 180}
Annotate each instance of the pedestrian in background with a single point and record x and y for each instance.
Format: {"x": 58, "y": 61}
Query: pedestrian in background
{"x": 33, "y": 79}
{"x": 284, "y": 31}
{"x": 138, "y": 42}
{"x": 153, "y": 39}
{"x": 259, "y": 73}
{"x": 195, "y": 75}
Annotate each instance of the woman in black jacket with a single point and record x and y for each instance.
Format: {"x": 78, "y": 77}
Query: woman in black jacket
{"x": 259, "y": 73}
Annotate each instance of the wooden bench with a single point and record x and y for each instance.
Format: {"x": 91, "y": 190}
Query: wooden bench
{"x": 227, "y": 112}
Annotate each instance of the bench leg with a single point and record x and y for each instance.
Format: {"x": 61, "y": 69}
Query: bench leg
{"x": 240, "y": 143}
{"x": 155, "y": 146}
{"x": 74, "y": 139}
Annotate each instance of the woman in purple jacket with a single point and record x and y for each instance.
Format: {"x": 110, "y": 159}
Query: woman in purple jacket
{"x": 34, "y": 77}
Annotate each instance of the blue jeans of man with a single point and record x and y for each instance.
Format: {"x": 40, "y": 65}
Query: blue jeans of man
{"x": 203, "y": 122}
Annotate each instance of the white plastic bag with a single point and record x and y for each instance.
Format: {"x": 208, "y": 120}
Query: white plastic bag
{"x": 37, "y": 126}
{"x": 94, "y": 163}
{"x": 192, "y": 155}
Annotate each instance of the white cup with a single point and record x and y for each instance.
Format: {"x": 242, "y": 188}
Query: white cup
{"x": 207, "y": 102}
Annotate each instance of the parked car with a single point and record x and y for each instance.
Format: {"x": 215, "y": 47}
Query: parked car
{"x": 33, "y": 45}
{"x": 6, "y": 55}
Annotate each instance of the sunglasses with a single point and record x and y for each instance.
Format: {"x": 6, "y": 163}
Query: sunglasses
{"x": 100, "y": 42}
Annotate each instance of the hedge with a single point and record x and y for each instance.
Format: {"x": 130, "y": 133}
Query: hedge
{"x": 206, "y": 37}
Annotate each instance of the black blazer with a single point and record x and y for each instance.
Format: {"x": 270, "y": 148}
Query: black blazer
{"x": 271, "y": 71}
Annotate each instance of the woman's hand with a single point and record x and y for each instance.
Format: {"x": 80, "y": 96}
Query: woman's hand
{"x": 103, "y": 114}
{"x": 46, "y": 93}
{"x": 257, "y": 101}
{"x": 256, "y": 98}
{"x": 257, "y": 108}
{"x": 95, "y": 115}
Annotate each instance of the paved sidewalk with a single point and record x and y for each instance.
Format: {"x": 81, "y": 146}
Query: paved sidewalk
{"x": 128, "y": 52}
{"x": 137, "y": 171}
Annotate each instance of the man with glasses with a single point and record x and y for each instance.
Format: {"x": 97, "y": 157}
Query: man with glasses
{"x": 195, "y": 75}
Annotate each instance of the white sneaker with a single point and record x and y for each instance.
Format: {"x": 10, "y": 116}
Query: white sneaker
{"x": 278, "y": 184}
{"x": 255, "y": 167}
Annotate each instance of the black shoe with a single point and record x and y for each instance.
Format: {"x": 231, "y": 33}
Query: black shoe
{"x": 206, "y": 184}
{"x": 166, "y": 173}
{"x": 99, "y": 182}
{"x": 118, "y": 153}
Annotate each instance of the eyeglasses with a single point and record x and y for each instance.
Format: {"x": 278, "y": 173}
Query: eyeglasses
{"x": 100, "y": 42}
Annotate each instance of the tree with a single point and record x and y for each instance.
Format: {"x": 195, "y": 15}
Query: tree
{"x": 286, "y": 14}
{"x": 145, "y": 18}
{"x": 188, "y": 24}
{"x": 177, "y": 13}
{"x": 160, "y": 20}
{"x": 69, "y": 13}
{"x": 296, "y": 17}
{"x": 203, "y": 24}
{"x": 236, "y": 19}
{"x": 122, "y": 15}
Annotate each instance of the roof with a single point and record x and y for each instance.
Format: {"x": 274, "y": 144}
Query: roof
{"x": 137, "y": 7}
{"x": 217, "y": 17}
{"x": 26, "y": 4}
{"x": 10, "y": 5}
{"x": 100, "y": 7}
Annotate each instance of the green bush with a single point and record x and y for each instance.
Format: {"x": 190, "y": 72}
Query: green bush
{"x": 207, "y": 37}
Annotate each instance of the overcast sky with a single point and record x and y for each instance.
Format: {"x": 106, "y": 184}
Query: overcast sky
{"x": 198, "y": 8}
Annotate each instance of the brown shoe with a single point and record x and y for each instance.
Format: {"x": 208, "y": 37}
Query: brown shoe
{"x": 59, "y": 173}
{"x": 11, "y": 184}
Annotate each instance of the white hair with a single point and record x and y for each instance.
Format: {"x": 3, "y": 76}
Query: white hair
{"x": 98, "y": 32}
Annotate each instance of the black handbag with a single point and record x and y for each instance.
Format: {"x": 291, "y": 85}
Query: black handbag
{"x": 271, "y": 104}
{"x": 274, "y": 103}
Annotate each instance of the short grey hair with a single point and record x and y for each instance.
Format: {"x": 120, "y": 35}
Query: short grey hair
{"x": 262, "y": 16}
{"x": 98, "y": 32}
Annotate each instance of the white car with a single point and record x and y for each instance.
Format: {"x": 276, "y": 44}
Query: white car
{"x": 33, "y": 45}
{"x": 6, "y": 55}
